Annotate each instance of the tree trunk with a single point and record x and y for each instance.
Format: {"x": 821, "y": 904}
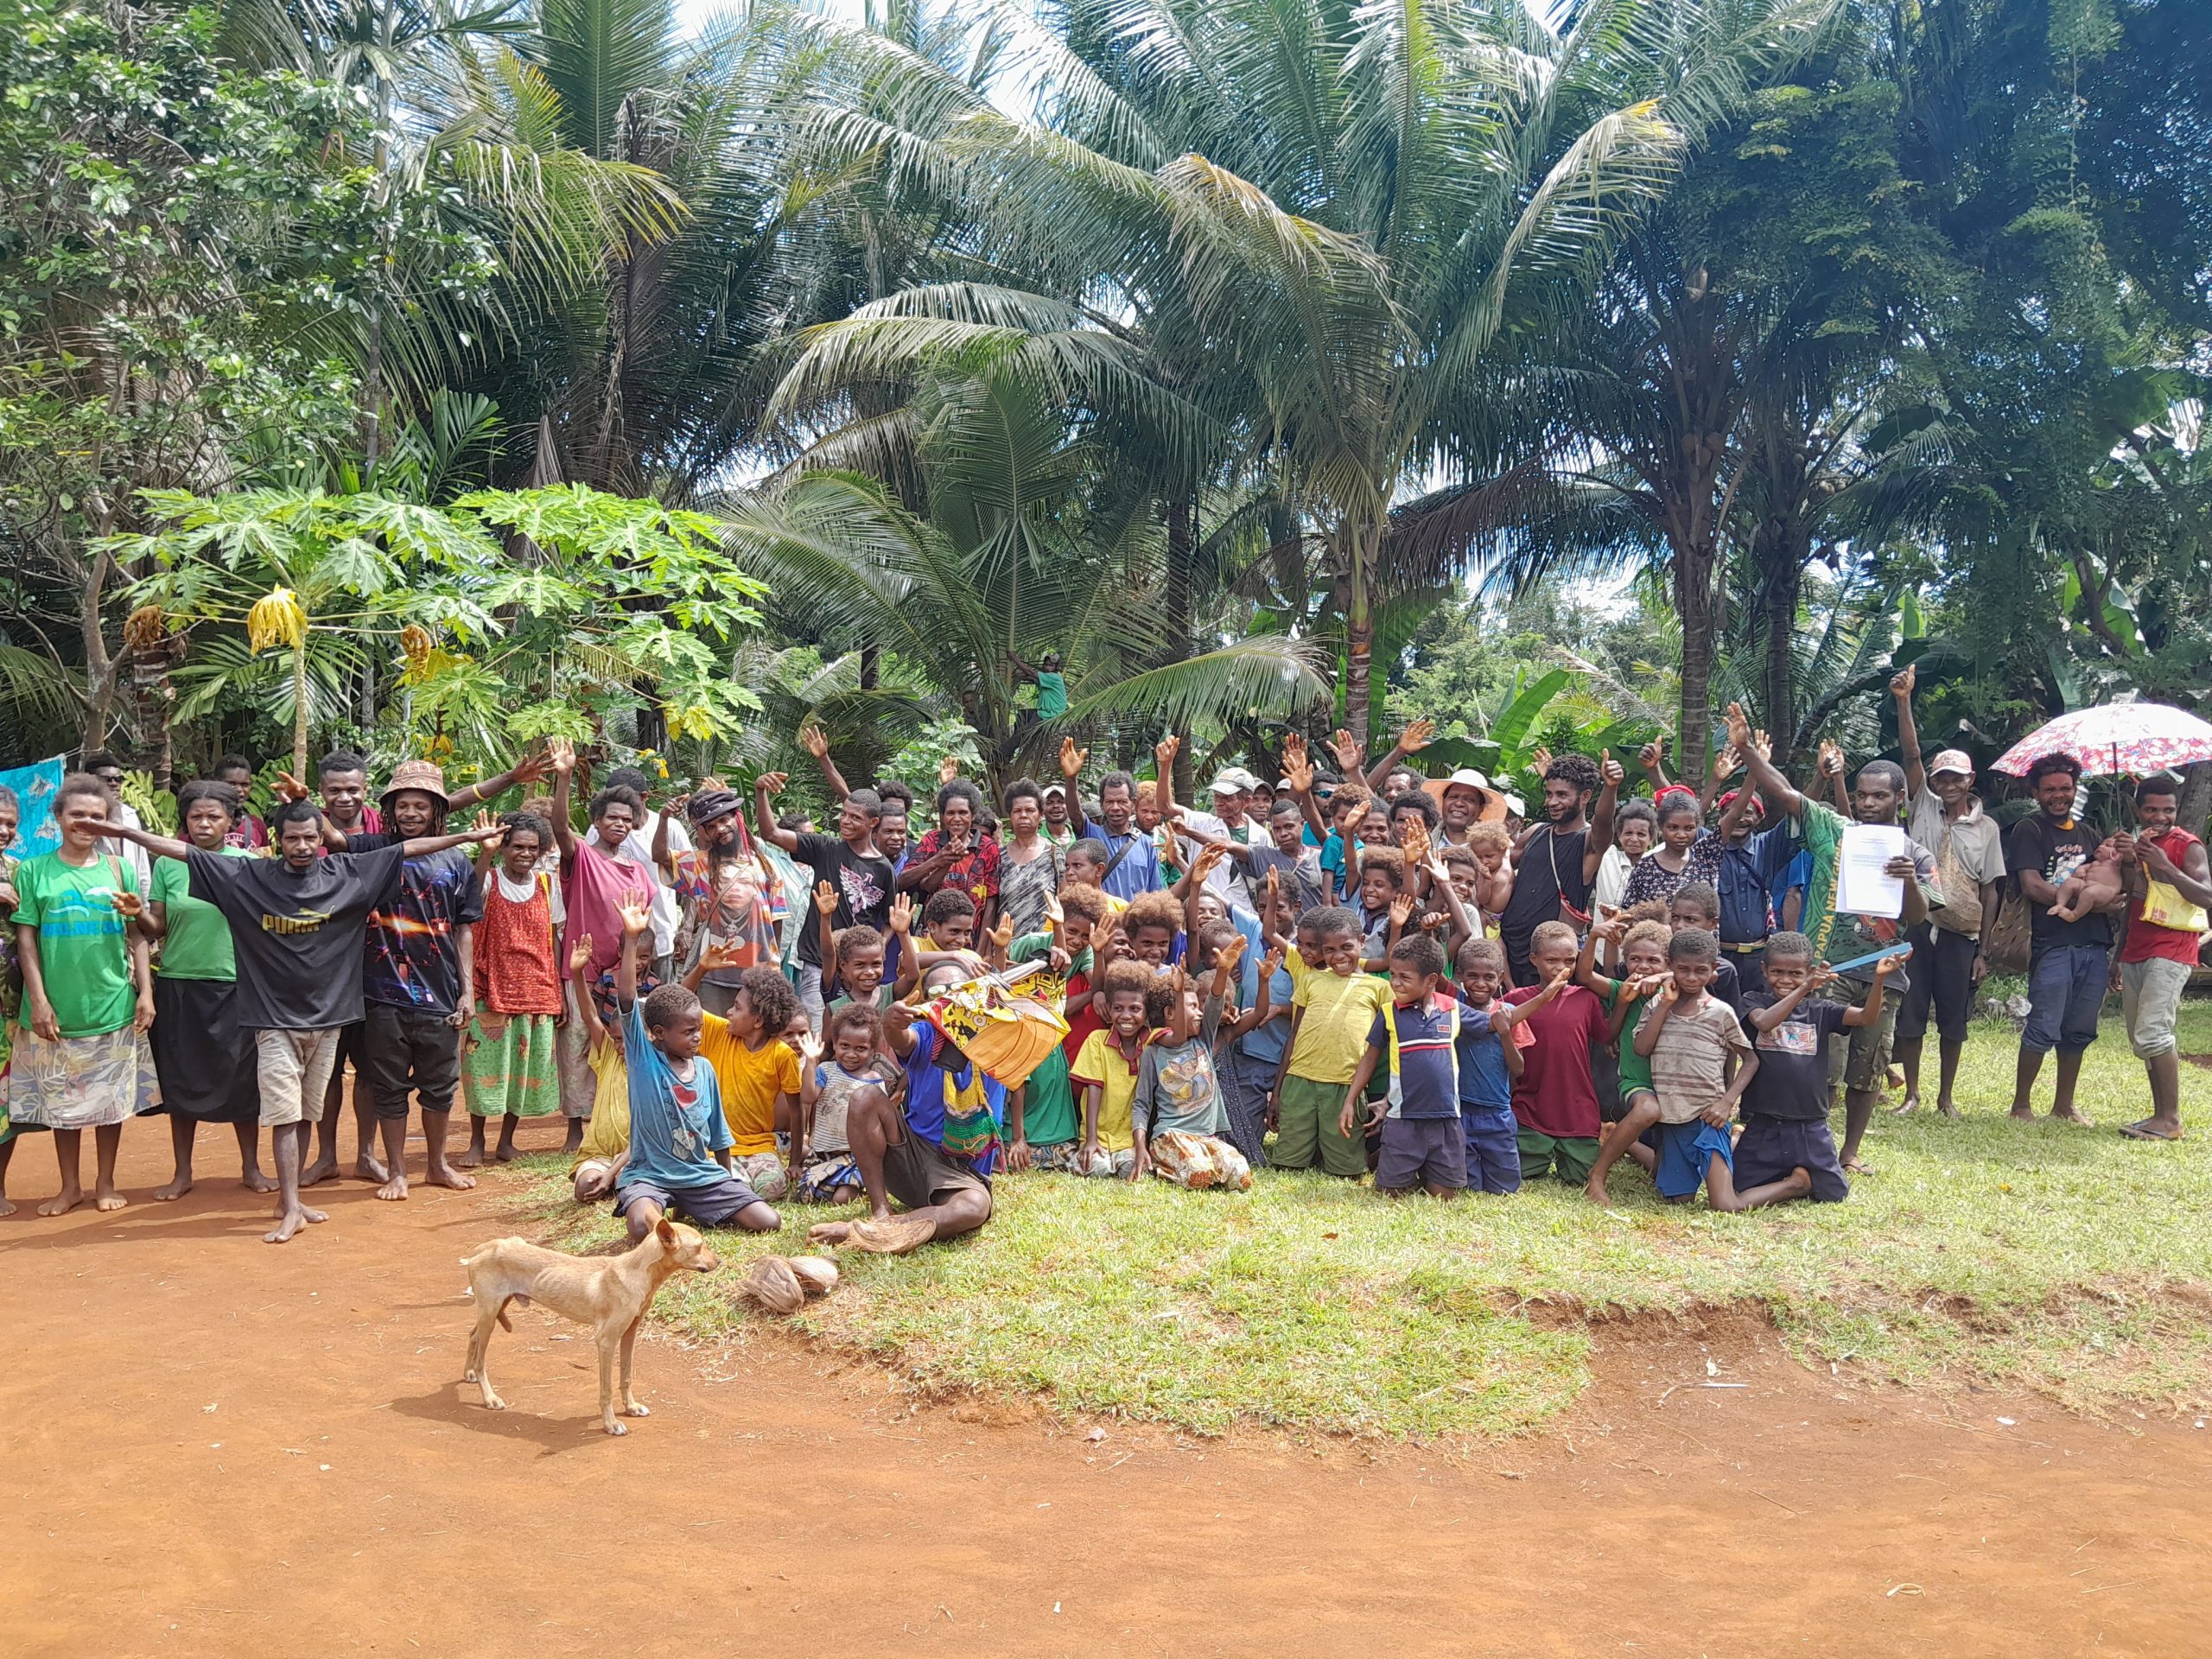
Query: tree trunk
{"x": 1784, "y": 576}
{"x": 300, "y": 710}
{"x": 1693, "y": 599}
{"x": 1176, "y": 585}
{"x": 1359, "y": 635}
{"x": 101, "y": 670}
{"x": 2196, "y": 803}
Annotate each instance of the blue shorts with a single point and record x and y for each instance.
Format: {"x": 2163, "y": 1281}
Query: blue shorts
{"x": 2066, "y": 985}
{"x": 1493, "y": 1147}
{"x": 1686, "y": 1152}
{"x": 711, "y": 1203}
{"x": 1771, "y": 1147}
{"x": 1422, "y": 1152}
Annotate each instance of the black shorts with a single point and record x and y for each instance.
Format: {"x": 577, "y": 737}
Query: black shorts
{"x": 1422, "y": 1152}
{"x": 918, "y": 1173}
{"x": 405, "y": 1050}
{"x": 1770, "y": 1147}
{"x": 1939, "y": 984}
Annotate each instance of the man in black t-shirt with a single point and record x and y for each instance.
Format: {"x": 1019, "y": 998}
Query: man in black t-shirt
{"x": 296, "y": 925}
{"x": 2070, "y": 963}
{"x": 847, "y": 861}
{"x": 1556, "y": 862}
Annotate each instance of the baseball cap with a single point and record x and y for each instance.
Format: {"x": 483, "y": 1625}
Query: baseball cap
{"x": 1055, "y": 789}
{"x": 1234, "y": 780}
{"x": 1956, "y": 760}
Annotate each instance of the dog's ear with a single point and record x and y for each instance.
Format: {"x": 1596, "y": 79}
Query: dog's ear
{"x": 666, "y": 1229}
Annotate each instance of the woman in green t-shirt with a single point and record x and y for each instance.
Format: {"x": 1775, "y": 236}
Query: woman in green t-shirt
{"x": 209, "y": 1066}
{"x": 81, "y": 1060}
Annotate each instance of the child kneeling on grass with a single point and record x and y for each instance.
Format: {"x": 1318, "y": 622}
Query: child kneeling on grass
{"x": 1423, "y": 1145}
{"x": 1643, "y": 949}
{"x": 1106, "y": 1071}
{"x": 1700, "y": 1062}
{"x": 1786, "y": 1108}
{"x": 679, "y": 1161}
{"x": 1179, "y": 1122}
{"x": 1488, "y": 1062}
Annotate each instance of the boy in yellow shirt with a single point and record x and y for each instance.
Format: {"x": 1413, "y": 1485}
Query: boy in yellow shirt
{"x": 1333, "y": 1008}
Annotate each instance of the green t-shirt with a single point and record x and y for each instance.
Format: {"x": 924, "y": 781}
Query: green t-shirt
{"x": 1052, "y": 695}
{"x": 83, "y": 949}
{"x": 198, "y": 946}
{"x": 1048, "y": 1117}
{"x": 1634, "y": 1068}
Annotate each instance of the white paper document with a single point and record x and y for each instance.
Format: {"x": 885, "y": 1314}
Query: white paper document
{"x": 1863, "y": 887}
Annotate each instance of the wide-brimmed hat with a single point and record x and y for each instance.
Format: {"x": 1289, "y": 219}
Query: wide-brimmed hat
{"x": 422, "y": 776}
{"x": 1493, "y": 808}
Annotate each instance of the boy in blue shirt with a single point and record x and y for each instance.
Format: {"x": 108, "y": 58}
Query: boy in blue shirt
{"x": 679, "y": 1157}
{"x": 1488, "y": 1066}
{"x": 1422, "y": 1143}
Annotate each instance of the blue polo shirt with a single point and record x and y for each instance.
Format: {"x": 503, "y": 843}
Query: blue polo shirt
{"x": 1138, "y": 869}
{"x": 1744, "y": 881}
{"x": 1425, "y": 1078}
{"x": 1484, "y": 1083}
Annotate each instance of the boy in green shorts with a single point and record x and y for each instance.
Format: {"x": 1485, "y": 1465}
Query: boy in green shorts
{"x": 1643, "y": 968}
{"x": 1333, "y": 1007}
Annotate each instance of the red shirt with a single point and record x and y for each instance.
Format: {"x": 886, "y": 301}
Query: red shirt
{"x": 2147, "y": 940}
{"x": 1081, "y": 1018}
{"x": 1555, "y": 1093}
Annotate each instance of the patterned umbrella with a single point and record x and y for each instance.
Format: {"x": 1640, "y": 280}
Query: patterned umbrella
{"x": 2119, "y": 740}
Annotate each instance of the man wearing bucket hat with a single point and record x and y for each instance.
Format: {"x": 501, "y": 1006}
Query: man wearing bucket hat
{"x": 1467, "y": 798}
{"x": 418, "y": 982}
{"x": 1945, "y": 816}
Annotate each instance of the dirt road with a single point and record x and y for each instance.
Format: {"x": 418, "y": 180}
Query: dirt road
{"x": 216, "y": 1447}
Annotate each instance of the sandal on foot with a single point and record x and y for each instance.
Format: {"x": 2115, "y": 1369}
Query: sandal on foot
{"x": 2148, "y": 1129}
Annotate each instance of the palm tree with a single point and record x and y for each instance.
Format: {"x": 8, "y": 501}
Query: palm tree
{"x": 1027, "y": 539}
{"x": 1312, "y": 224}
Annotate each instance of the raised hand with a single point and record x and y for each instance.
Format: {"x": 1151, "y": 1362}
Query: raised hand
{"x": 579, "y": 954}
{"x": 810, "y": 1050}
{"x": 1612, "y": 772}
{"x": 825, "y": 898}
{"x": 1902, "y": 683}
{"x": 1071, "y": 759}
{"x": 1053, "y": 914}
{"x": 1725, "y": 760}
{"x": 901, "y": 915}
{"x": 561, "y": 752}
{"x": 1401, "y": 909}
{"x": 815, "y": 740}
{"x": 486, "y": 828}
{"x": 722, "y": 955}
{"x": 533, "y": 768}
{"x": 636, "y": 919}
{"x": 1417, "y": 736}
{"x": 1412, "y": 835}
{"x": 947, "y": 770}
{"x": 1002, "y": 935}
{"x": 1209, "y": 860}
{"x": 1232, "y": 951}
{"x": 1164, "y": 753}
{"x": 1653, "y": 755}
{"x": 1270, "y": 965}
{"x": 772, "y": 784}
{"x": 1540, "y": 760}
{"x": 290, "y": 788}
{"x": 1831, "y": 759}
{"x": 1739, "y": 726}
{"x": 1761, "y": 745}
{"x": 1297, "y": 770}
{"x": 1345, "y": 748}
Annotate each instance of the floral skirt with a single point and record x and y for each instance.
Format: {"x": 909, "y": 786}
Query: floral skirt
{"x": 80, "y": 1082}
{"x": 516, "y": 1074}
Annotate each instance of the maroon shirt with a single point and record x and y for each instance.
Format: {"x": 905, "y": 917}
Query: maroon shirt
{"x": 1555, "y": 1093}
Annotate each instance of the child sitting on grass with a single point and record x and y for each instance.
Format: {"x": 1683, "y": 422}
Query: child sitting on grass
{"x": 1786, "y": 1140}
{"x": 679, "y": 1154}
{"x": 1488, "y": 1063}
{"x": 1106, "y": 1071}
{"x": 1332, "y": 1009}
{"x": 759, "y": 1075}
{"x": 1423, "y": 1145}
{"x": 825, "y": 1095}
{"x": 1700, "y": 1062}
{"x": 1178, "y": 1122}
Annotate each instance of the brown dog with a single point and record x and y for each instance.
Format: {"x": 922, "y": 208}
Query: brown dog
{"x": 609, "y": 1294}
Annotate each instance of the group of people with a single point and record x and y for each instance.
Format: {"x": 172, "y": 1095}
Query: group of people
{"x": 1356, "y": 969}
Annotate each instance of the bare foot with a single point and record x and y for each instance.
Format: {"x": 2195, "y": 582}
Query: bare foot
{"x": 314, "y": 1216}
{"x": 253, "y": 1180}
{"x": 171, "y": 1191}
{"x": 505, "y": 1154}
{"x": 2025, "y": 1114}
{"x": 395, "y": 1188}
{"x": 1893, "y": 1079}
{"x": 1594, "y": 1190}
{"x": 288, "y": 1224}
{"x": 370, "y": 1168}
{"x": 1948, "y": 1108}
{"x": 315, "y": 1174}
{"x": 62, "y": 1202}
{"x": 447, "y": 1175}
{"x": 1909, "y": 1103}
{"x": 109, "y": 1199}
{"x": 2071, "y": 1115}
{"x": 472, "y": 1159}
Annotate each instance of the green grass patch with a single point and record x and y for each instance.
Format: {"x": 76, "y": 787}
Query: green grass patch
{"x": 2041, "y": 1256}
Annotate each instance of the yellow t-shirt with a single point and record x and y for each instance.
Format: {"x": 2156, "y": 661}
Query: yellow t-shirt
{"x": 750, "y": 1079}
{"x": 1098, "y": 1061}
{"x": 607, "y": 1134}
{"x": 1340, "y": 1013}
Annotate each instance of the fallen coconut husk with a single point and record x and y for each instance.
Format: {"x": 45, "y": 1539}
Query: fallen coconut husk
{"x": 817, "y": 1274}
{"x": 772, "y": 1285}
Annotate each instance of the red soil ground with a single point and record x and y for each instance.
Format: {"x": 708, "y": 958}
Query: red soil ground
{"x": 216, "y": 1447}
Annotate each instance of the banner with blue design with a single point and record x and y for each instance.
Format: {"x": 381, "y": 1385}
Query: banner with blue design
{"x": 33, "y": 788}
